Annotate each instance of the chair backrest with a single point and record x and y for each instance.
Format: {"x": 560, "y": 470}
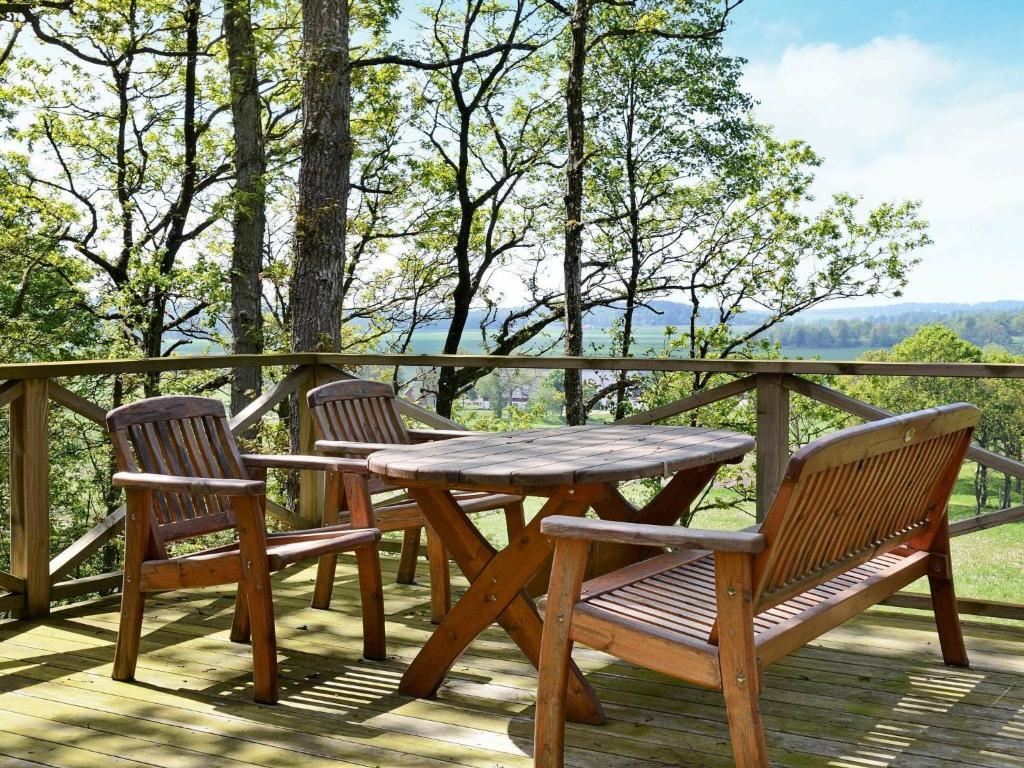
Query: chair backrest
{"x": 358, "y": 412}
{"x": 185, "y": 436}
{"x": 860, "y": 493}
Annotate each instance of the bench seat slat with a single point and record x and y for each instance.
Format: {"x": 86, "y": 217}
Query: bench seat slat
{"x": 676, "y": 594}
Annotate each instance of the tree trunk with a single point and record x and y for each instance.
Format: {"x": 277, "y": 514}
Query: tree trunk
{"x": 249, "y": 222}
{"x": 462, "y": 296}
{"x": 326, "y": 155}
{"x": 153, "y": 335}
{"x": 981, "y": 487}
{"x": 632, "y": 286}
{"x": 575, "y": 411}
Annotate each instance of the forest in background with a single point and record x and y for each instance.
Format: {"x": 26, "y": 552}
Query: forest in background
{"x": 273, "y": 175}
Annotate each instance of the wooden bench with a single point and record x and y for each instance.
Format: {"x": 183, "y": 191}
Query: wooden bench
{"x": 860, "y": 514}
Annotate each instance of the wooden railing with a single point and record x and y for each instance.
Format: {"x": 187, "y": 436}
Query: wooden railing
{"x": 35, "y": 580}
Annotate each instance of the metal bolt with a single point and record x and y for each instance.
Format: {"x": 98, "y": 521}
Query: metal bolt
{"x": 560, "y": 618}
{"x": 494, "y": 579}
{"x": 908, "y": 435}
{"x": 492, "y": 598}
{"x": 730, "y": 591}
{"x": 741, "y": 679}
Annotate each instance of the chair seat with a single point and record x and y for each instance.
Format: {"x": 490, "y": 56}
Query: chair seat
{"x": 222, "y": 565}
{"x": 404, "y": 513}
{"x": 673, "y": 596}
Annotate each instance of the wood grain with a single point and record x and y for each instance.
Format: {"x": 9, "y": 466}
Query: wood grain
{"x": 549, "y": 457}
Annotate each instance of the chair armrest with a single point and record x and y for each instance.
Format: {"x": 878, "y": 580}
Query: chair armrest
{"x": 562, "y": 526}
{"x": 315, "y": 463}
{"x": 347, "y": 447}
{"x": 175, "y": 484}
{"x": 429, "y": 435}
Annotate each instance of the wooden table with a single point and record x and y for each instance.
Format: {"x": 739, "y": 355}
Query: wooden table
{"x": 576, "y": 468}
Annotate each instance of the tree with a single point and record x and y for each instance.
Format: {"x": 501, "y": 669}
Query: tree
{"x": 486, "y": 120}
{"x": 756, "y": 249}
{"x": 249, "y": 217}
{"x": 326, "y": 153}
{"x": 394, "y": 282}
{"x": 123, "y": 132}
{"x": 642, "y": 158}
{"x": 1002, "y": 423}
{"x": 500, "y": 386}
{"x": 679, "y": 21}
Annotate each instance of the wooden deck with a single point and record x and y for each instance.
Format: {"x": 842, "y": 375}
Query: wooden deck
{"x": 871, "y": 694}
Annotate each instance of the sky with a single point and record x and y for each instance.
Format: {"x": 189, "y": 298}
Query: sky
{"x": 919, "y": 99}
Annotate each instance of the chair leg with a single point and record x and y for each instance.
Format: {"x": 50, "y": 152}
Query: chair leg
{"x": 326, "y": 569}
{"x": 129, "y": 632}
{"x": 947, "y": 621}
{"x": 264, "y": 640}
{"x": 371, "y": 593}
{"x": 556, "y": 655}
{"x": 133, "y": 600}
{"x": 737, "y": 658}
{"x": 440, "y": 578}
{"x": 241, "y": 631}
{"x": 947, "y": 617}
{"x": 324, "y": 587}
{"x": 410, "y": 554}
{"x": 742, "y": 705}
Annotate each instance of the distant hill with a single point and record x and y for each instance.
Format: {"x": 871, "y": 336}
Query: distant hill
{"x": 907, "y": 309}
{"x": 676, "y": 313}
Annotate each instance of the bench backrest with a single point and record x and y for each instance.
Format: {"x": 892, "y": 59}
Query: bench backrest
{"x": 357, "y": 411}
{"x": 184, "y": 436}
{"x": 860, "y": 493}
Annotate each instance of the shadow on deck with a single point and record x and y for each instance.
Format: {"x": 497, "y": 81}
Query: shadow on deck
{"x": 873, "y": 693}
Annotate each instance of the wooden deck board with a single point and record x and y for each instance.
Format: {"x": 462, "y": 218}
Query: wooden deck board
{"x": 872, "y": 693}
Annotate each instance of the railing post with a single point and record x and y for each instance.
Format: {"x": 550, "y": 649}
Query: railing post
{"x": 310, "y": 483}
{"x": 772, "y": 438}
{"x": 30, "y": 496}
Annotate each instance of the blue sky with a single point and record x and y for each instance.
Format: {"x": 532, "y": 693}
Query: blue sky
{"x": 921, "y": 100}
{"x": 983, "y": 27}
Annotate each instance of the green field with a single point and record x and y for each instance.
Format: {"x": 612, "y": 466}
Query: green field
{"x": 647, "y": 338}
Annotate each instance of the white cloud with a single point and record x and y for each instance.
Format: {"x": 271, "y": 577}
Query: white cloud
{"x": 894, "y": 119}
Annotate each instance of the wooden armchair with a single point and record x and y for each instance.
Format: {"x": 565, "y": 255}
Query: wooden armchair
{"x": 355, "y": 418}
{"x": 184, "y": 477}
{"x": 860, "y": 514}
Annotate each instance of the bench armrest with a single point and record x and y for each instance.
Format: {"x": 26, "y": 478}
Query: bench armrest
{"x": 348, "y": 447}
{"x": 314, "y": 463}
{"x": 561, "y": 526}
{"x": 176, "y": 484}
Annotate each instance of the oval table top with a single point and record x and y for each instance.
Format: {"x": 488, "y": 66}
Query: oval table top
{"x": 559, "y": 456}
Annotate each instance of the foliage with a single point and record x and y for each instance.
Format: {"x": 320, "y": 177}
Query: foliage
{"x": 1002, "y": 423}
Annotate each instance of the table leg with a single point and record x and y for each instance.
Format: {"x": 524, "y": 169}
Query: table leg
{"x": 495, "y": 594}
{"x": 664, "y": 509}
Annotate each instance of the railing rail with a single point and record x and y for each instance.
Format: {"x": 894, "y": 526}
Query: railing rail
{"x": 35, "y": 580}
